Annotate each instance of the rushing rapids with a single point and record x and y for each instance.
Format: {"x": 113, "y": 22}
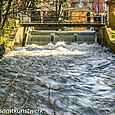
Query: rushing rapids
{"x": 75, "y": 79}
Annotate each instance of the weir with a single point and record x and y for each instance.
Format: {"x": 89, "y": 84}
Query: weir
{"x": 67, "y": 68}
{"x": 46, "y": 36}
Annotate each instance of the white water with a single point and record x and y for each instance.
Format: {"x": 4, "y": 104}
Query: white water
{"x": 81, "y": 77}
{"x": 55, "y": 50}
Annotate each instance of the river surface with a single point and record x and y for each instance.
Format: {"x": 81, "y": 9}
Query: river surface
{"x": 74, "y": 79}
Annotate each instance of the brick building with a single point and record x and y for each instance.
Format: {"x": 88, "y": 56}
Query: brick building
{"x": 94, "y": 5}
{"x": 98, "y": 6}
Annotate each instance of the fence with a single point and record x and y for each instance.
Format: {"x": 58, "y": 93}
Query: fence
{"x": 65, "y": 17}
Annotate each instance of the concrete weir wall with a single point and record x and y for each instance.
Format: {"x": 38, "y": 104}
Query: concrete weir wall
{"x": 104, "y": 36}
{"x": 19, "y": 36}
{"x": 36, "y": 37}
{"x": 15, "y": 38}
{"x": 110, "y": 42}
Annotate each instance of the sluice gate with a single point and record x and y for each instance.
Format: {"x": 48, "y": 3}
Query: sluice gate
{"x": 44, "y": 37}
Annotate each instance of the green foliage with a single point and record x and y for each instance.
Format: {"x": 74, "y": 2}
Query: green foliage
{"x": 113, "y": 31}
{"x": 3, "y": 40}
{"x": 5, "y": 12}
{"x": 9, "y": 26}
{"x": 7, "y": 30}
{"x": 113, "y": 34}
{"x": 67, "y": 21}
{"x": 6, "y": 33}
{"x": 2, "y": 49}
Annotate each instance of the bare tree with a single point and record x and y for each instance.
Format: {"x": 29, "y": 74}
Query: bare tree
{"x": 58, "y": 5}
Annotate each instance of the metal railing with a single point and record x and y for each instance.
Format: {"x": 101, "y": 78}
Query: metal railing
{"x": 69, "y": 17}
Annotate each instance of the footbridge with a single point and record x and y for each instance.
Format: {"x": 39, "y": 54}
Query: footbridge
{"x": 54, "y": 23}
{"x": 50, "y": 21}
{"x": 62, "y": 24}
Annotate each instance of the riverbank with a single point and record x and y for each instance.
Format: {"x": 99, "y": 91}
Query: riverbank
{"x": 108, "y": 39}
{"x": 15, "y": 39}
{"x": 113, "y": 34}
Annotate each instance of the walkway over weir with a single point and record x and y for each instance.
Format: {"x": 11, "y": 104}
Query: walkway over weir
{"x": 49, "y": 19}
{"x": 73, "y": 24}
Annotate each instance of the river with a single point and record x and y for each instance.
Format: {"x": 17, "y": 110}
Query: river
{"x": 70, "y": 79}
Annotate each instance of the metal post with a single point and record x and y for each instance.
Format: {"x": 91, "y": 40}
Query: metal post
{"x": 76, "y": 37}
{"x": 52, "y": 39}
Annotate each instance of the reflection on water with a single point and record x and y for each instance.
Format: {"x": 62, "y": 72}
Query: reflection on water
{"x": 81, "y": 78}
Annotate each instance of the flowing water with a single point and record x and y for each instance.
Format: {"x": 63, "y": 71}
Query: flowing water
{"x": 74, "y": 79}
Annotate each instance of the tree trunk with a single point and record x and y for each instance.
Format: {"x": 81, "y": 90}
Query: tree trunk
{"x": 1, "y": 3}
{"x": 56, "y": 10}
{"x": 6, "y": 14}
{"x": 59, "y": 11}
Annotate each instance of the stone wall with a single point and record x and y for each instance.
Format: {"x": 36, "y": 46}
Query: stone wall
{"x": 112, "y": 15}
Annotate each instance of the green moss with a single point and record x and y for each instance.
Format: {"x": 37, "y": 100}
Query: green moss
{"x": 6, "y": 33}
{"x": 107, "y": 39}
{"x": 2, "y": 49}
{"x": 113, "y": 34}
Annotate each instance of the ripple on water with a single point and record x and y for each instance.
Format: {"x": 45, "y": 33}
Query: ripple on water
{"x": 81, "y": 78}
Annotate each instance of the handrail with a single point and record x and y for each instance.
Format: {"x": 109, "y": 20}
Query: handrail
{"x": 51, "y": 17}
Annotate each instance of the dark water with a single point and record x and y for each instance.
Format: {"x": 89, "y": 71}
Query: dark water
{"x": 80, "y": 79}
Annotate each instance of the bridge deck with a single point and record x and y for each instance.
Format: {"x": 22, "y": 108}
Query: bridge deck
{"x": 28, "y": 24}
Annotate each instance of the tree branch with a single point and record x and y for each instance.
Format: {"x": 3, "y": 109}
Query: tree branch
{"x": 12, "y": 83}
{"x": 6, "y": 14}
